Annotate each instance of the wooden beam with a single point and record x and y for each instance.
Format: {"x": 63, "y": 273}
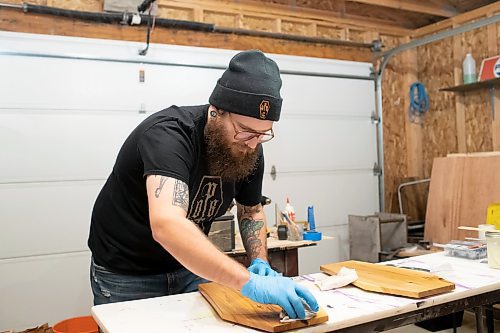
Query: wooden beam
{"x": 306, "y": 15}
{"x": 414, "y": 157}
{"x": 461, "y": 18}
{"x": 459, "y": 98}
{"x": 495, "y": 124}
{"x": 413, "y": 6}
{"x": 16, "y": 20}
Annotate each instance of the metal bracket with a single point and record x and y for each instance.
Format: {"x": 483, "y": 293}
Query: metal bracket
{"x": 376, "y": 45}
{"x": 375, "y": 118}
{"x": 377, "y": 170}
{"x": 492, "y": 101}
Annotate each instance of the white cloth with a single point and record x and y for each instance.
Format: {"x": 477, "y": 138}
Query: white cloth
{"x": 309, "y": 314}
{"x": 343, "y": 278}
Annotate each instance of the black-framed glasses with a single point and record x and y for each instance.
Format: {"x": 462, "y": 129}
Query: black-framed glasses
{"x": 249, "y": 135}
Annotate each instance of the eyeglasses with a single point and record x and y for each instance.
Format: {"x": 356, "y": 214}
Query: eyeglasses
{"x": 249, "y": 135}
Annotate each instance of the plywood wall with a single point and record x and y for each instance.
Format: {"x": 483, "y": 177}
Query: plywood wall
{"x": 394, "y": 115}
{"x": 456, "y": 122}
{"x": 478, "y": 117}
{"x": 435, "y": 71}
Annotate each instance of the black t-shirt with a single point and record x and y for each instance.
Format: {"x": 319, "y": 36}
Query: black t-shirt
{"x": 169, "y": 143}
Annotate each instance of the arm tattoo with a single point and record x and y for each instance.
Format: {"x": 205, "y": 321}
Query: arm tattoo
{"x": 244, "y": 211}
{"x": 181, "y": 195}
{"x": 160, "y": 187}
{"x": 250, "y": 229}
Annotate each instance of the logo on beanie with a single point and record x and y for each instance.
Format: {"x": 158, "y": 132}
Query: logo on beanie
{"x": 264, "y": 109}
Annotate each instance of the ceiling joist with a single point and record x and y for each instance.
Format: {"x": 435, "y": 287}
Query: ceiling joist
{"x": 413, "y": 6}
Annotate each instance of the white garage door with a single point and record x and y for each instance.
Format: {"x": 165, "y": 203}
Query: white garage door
{"x": 66, "y": 106}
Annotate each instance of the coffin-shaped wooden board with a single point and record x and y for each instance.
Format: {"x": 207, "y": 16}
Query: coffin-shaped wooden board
{"x": 392, "y": 280}
{"x": 231, "y": 306}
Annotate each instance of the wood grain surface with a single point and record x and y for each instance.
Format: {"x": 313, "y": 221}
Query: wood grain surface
{"x": 392, "y": 280}
{"x": 231, "y": 306}
{"x": 460, "y": 191}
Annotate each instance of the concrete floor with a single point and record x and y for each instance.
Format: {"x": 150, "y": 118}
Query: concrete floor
{"x": 468, "y": 326}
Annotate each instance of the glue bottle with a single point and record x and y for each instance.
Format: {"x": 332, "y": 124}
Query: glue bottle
{"x": 469, "y": 68}
{"x": 289, "y": 210}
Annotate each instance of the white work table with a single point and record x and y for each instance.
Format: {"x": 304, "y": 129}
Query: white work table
{"x": 349, "y": 308}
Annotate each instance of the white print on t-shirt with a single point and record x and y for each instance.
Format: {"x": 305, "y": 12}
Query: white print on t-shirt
{"x": 207, "y": 201}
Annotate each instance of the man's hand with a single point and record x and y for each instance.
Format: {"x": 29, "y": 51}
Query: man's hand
{"x": 281, "y": 291}
{"x": 261, "y": 267}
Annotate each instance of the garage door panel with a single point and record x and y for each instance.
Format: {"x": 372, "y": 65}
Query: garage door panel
{"x": 321, "y": 144}
{"x": 334, "y": 195}
{"x": 43, "y": 218}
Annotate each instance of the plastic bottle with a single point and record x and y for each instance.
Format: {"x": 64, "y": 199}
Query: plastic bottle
{"x": 469, "y": 69}
{"x": 310, "y": 218}
{"x": 289, "y": 210}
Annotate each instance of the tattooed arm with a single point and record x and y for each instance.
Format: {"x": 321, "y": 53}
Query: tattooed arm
{"x": 168, "y": 200}
{"x": 252, "y": 222}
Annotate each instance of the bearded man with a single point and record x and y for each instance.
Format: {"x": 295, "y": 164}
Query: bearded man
{"x": 176, "y": 172}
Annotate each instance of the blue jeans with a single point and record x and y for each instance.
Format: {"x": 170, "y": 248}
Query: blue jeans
{"x": 110, "y": 287}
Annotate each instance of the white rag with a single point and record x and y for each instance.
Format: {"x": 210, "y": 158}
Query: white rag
{"x": 309, "y": 314}
{"x": 343, "y": 278}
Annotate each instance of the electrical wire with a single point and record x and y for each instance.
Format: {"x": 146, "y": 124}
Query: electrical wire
{"x": 151, "y": 24}
{"x": 419, "y": 102}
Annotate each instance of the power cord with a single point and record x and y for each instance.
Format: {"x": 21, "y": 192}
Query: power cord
{"x": 419, "y": 102}
{"x": 141, "y": 8}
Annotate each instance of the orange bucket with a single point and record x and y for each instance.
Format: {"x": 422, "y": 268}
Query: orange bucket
{"x": 84, "y": 324}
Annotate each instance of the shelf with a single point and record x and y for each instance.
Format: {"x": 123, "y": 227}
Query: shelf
{"x": 488, "y": 84}
{"x": 474, "y": 86}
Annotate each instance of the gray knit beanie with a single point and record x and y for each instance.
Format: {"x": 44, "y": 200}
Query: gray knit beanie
{"x": 250, "y": 86}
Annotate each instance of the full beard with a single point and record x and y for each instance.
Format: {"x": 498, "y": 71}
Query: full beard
{"x": 231, "y": 161}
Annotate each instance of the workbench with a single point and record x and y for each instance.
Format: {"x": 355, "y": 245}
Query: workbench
{"x": 350, "y": 309}
{"x": 283, "y": 254}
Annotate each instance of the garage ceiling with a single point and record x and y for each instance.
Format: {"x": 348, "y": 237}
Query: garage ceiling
{"x": 398, "y": 13}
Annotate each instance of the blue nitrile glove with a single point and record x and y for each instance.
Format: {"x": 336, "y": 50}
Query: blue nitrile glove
{"x": 281, "y": 291}
{"x": 261, "y": 267}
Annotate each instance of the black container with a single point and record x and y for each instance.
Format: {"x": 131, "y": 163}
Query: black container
{"x": 282, "y": 232}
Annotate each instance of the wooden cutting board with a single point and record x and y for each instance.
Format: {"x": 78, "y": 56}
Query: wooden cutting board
{"x": 392, "y": 280}
{"x": 231, "y": 306}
